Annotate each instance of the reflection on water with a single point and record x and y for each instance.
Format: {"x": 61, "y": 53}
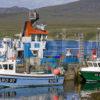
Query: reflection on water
{"x": 33, "y": 93}
{"x": 66, "y": 92}
{"x": 90, "y": 91}
{"x": 69, "y": 91}
{"x": 91, "y": 86}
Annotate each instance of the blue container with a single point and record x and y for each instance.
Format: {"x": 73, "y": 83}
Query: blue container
{"x": 71, "y": 59}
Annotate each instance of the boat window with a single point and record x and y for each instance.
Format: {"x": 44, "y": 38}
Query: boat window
{"x": 38, "y": 37}
{"x": 0, "y": 66}
{"x": 11, "y": 66}
{"x": 90, "y": 65}
{"x": 33, "y": 37}
{"x": 99, "y": 64}
{"x": 5, "y": 66}
{"x": 95, "y": 64}
{"x": 36, "y": 45}
{"x": 44, "y": 37}
{"x": 35, "y": 52}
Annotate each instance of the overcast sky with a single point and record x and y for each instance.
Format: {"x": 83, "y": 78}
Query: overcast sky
{"x": 31, "y": 4}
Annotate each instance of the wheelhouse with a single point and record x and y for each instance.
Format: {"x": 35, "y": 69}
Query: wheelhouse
{"x": 8, "y": 66}
{"x": 93, "y": 63}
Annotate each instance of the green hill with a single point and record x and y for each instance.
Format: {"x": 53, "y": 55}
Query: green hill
{"x": 12, "y": 20}
{"x": 81, "y": 16}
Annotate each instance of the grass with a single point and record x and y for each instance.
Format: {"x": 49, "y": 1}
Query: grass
{"x": 13, "y": 24}
{"x": 72, "y": 31}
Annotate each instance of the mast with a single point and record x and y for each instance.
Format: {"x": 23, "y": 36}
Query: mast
{"x": 98, "y": 43}
{"x": 81, "y": 47}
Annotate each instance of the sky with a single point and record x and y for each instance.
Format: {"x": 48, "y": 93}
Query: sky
{"x": 32, "y": 4}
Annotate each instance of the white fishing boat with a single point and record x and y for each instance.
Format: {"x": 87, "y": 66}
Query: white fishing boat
{"x": 9, "y": 76}
{"x": 31, "y": 47}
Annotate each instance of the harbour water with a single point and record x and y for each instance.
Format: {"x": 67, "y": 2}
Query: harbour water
{"x": 70, "y": 91}
{"x": 39, "y": 93}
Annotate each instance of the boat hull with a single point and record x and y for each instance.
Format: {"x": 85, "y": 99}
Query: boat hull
{"x": 90, "y": 75}
{"x": 22, "y": 81}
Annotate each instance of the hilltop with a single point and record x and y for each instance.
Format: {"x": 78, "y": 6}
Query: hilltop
{"x": 13, "y": 9}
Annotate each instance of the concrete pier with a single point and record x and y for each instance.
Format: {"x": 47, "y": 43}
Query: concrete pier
{"x": 72, "y": 72}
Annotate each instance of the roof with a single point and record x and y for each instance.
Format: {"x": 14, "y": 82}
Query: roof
{"x": 29, "y": 30}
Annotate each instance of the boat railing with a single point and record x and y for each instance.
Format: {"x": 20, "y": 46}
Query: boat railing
{"x": 98, "y": 59}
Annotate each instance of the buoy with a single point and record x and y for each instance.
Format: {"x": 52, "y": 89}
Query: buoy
{"x": 55, "y": 97}
{"x": 94, "y": 57}
{"x": 56, "y": 71}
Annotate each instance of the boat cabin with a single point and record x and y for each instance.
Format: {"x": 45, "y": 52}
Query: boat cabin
{"x": 93, "y": 63}
{"x": 7, "y": 67}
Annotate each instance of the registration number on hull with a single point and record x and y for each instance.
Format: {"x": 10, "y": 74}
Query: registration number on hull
{"x": 97, "y": 74}
{"x": 8, "y": 80}
{"x": 53, "y": 80}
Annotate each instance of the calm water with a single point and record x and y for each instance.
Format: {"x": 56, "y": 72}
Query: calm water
{"x": 69, "y": 91}
{"x": 40, "y": 93}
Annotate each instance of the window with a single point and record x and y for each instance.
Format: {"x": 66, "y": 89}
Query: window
{"x": 35, "y": 53}
{"x": 95, "y": 64}
{"x": 38, "y": 37}
{"x": 5, "y": 66}
{"x": 99, "y": 64}
{"x": 90, "y": 65}
{"x": 11, "y": 66}
{"x": 33, "y": 37}
{"x": 0, "y": 66}
{"x": 44, "y": 37}
{"x": 36, "y": 45}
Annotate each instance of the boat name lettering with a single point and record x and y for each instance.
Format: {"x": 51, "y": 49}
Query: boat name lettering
{"x": 97, "y": 74}
{"x": 53, "y": 80}
{"x": 8, "y": 80}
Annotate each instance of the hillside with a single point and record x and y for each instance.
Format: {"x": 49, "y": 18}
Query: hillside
{"x": 12, "y": 20}
{"x": 84, "y": 10}
{"x": 81, "y": 16}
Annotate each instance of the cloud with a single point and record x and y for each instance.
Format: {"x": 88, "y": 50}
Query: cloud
{"x": 32, "y": 3}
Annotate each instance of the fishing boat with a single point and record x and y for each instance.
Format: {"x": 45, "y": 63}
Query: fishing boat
{"x": 30, "y": 48}
{"x": 10, "y": 77}
{"x": 92, "y": 71}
